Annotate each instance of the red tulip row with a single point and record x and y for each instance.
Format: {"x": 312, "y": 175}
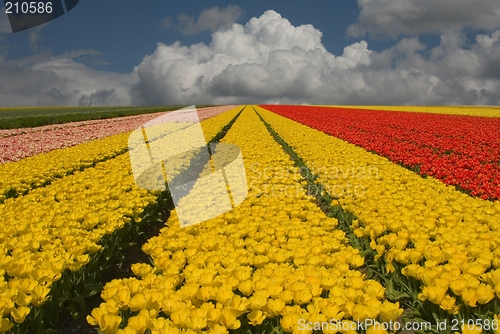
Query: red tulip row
{"x": 463, "y": 151}
{"x": 18, "y": 144}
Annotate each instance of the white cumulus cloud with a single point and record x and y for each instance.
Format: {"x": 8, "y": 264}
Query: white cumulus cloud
{"x": 270, "y": 60}
{"x": 267, "y": 59}
{"x": 413, "y": 17}
{"x": 210, "y": 19}
{"x": 62, "y": 81}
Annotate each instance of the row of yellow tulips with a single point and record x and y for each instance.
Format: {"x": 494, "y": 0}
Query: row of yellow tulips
{"x": 451, "y": 110}
{"x": 447, "y": 241}
{"x": 21, "y": 176}
{"x": 276, "y": 258}
{"x": 57, "y": 227}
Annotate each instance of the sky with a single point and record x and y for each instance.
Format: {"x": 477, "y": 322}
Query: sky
{"x": 342, "y": 52}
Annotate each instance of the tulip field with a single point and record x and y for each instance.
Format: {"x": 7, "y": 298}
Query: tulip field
{"x": 357, "y": 220}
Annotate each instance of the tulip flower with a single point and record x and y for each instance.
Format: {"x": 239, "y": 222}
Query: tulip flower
{"x": 20, "y": 313}
{"x": 137, "y": 302}
{"x": 469, "y": 296}
{"x": 229, "y": 320}
{"x": 275, "y": 306}
{"x": 139, "y": 322}
{"x": 471, "y": 329}
{"x": 109, "y": 323}
{"x": 5, "y": 324}
{"x": 289, "y": 321}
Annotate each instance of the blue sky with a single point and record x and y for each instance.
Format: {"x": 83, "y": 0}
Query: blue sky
{"x": 125, "y": 37}
{"x": 316, "y": 52}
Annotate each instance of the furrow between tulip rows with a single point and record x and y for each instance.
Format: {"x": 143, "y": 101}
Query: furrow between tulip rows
{"x": 20, "y": 177}
{"x": 56, "y": 239}
{"x": 439, "y": 247}
{"x": 459, "y": 150}
{"x": 275, "y": 262}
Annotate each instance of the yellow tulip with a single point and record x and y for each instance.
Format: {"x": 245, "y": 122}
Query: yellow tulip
{"x": 360, "y": 312}
{"x": 298, "y": 285}
{"x": 196, "y": 323}
{"x": 40, "y": 294}
{"x": 95, "y": 316}
{"x": 189, "y": 291}
{"x": 238, "y": 304}
{"x": 476, "y": 269}
{"x": 260, "y": 261}
{"x": 260, "y": 285}
{"x": 496, "y": 319}
{"x": 22, "y": 299}
{"x": 224, "y": 295}
{"x": 435, "y": 254}
{"x": 26, "y": 285}
{"x": 141, "y": 269}
{"x": 20, "y": 313}
{"x": 376, "y": 329}
{"x": 179, "y": 316}
{"x": 484, "y": 294}
{"x": 469, "y": 296}
{"x": 275, "y": 306}
{"x": 82, "y": 259}
{"x": 435, "y": 293}
{"x": 5, "y": 325}
{"x": 429, "y": 276}
{"x": 302, "y": 296}
{"x": 137, "y": 302}
{"x": 458, "y": 285}
{"x": 355, "y": 282}
{"x": 390, "y": 311}
{"x": 257, "y": 301}
{"x": 289, "y": 321}
{"x": 403, "y": 256}
{"x": 357, "y": 261}
{"x": 401, "y": 243}
{"x": 374, "y": 306}
{"x": 228, "y": 319}
{"x": 256, "y": 317}
{"x": 471, "y": 329}
{"x": 352, "y": 295}
{"x": 205, "y": 293}
{"x": 217, "y": 329}
{"x": 214, "y": 315}
{"x": 109, "y": 323}
{"x": 134, "y": 286}
{"x": 139, "y": 322}
{"x": 109, "y": 293}
{"x": 374, "y": 289}
{"x": 127, "y": 330}
{"x": 246, "y": 287}
{"x": 332, "y": 311}
{"x": 415, "y": 256}
{"x": 448, "y": 304}
{"x": 328, "y": 282}
{"x": 242, "y": 273}
{"x": 279, "y": 257}
{"x": 274, "y": 290}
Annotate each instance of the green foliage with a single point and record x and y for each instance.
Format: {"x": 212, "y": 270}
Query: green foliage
{"x": 13, "y": 118}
